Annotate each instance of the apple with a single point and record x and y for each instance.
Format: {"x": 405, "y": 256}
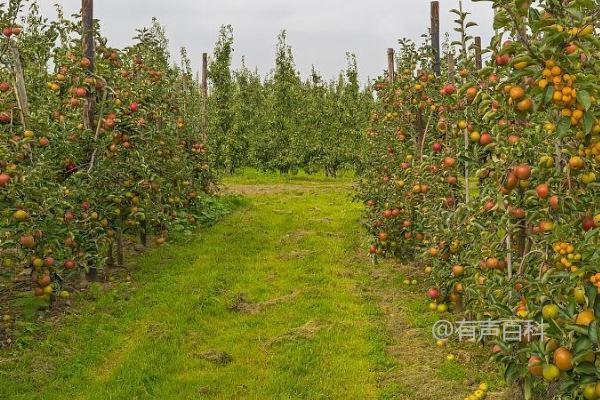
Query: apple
{"x": 27, "y": 241}
{"x": 492, "y": 263}
{"x": 523, "y": 172}
{"x": 485, "y": 139}
{"x": 517, "y": 212}
{"x": 449, "y": 88}
{"x": 471, "y": 93}
{"x": 576, "y": 162}
{"x": 4, "y": 179}
{"x": 457, "y": 270}
{"x": 44, "y": 280}
{"x": 502, "y": 60}
{"x": 5, "y": 117}
{"x": 554, "y": 202}
{"x": 433, "y": 293}
{"x": 542, "y": 190}
{"x": 449, "y": 162}
{"x": 80, "y": 92}
{"x": 134, "y": 107}
{"x": 588, "y": 224}
{"x": 69, "y": 216}
{"x": 535, "y": 366}
{"x": 511, "y": 181}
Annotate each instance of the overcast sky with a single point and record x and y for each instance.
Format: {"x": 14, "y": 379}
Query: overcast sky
{"x": 320, "y": 31}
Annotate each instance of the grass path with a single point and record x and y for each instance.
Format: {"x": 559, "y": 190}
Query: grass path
{"x": 273, "y": 302}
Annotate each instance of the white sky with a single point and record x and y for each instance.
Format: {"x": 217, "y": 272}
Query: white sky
{"x": 319, "y": 31}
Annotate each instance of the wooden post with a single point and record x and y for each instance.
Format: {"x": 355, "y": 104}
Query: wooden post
{"x": 204, "y": 97}
{"x": 20, "y": 91}
{"x": 478, "y": 61}
{"x": 87, "y": 43}
{"x": 435, "y": 35}
{"x": 391, "y": 69}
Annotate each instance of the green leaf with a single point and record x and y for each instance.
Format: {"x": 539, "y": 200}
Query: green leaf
{"x": 511, "y": 372}
{"x": 588, "y": 121}
{"x": 593, "y": 331}
{"x": 583, "y": 344}
{"x": 549, "y": 93}
{"x": 501, "y": 19}
{"x": 591, "y": 293}
{"x": 563, "y": 127}
{"x": 585, "y": 368}
{"x": 583, "y": 97}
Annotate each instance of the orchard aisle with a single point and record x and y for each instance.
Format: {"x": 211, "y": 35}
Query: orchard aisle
{"x": 277, "y": 301}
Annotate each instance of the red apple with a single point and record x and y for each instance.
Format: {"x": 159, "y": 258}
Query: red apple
{"x": 535, "y": 366}
{"x": 542, "y": 190}
{"x": 554, "y": 202}
{"x": 4, "y": 179}
{"x": 485, "y": 139}
{"x": 588, "y": 224}
{"x": 433, "y": 293}
{"x": 523, "y": 172}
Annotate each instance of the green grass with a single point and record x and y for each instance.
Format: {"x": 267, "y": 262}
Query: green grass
{"x": 281, "y": 289}
{"x": 147, "y": 340}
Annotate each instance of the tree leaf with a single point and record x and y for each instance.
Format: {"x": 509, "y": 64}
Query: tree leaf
{"x": 549, "y": 93}
{"x": 588, "y": 122}
{"x": 563, "y": 127}
{"x": 583, "y": 97}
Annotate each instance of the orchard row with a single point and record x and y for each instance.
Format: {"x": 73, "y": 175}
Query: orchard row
{"x": 489, "y": 180}
{"x": 96, "y": 145}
